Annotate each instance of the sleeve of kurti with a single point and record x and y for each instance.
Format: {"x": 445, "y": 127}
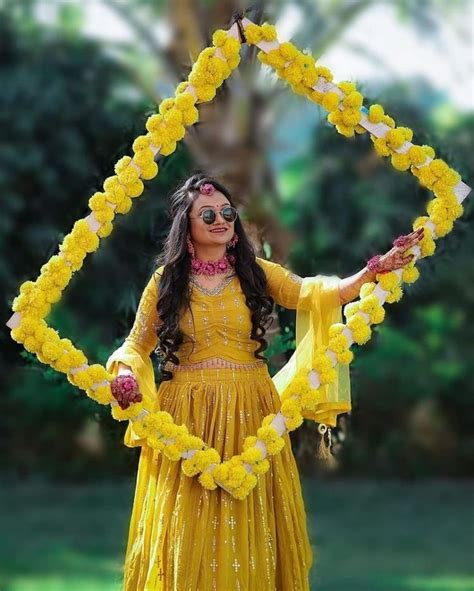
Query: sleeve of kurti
{"x": 317, "y": 303}
{"x": 285, "y": 287}
{"x": 136, "y": 349}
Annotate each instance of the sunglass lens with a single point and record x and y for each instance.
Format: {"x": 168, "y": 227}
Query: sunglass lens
{"x": 209, "y": 216}
{"x": 229, "y": 214}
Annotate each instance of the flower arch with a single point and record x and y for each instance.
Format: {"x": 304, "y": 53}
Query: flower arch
{"x": 347, "y": 113}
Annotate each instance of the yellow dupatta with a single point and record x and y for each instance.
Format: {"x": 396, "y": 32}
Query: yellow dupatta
{"x": 317, "y": 309}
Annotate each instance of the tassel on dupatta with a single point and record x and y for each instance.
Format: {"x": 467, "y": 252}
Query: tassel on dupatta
{"x": 317, "y": 309}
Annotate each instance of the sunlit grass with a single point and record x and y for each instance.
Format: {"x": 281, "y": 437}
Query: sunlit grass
{"x": 367, "y": 536}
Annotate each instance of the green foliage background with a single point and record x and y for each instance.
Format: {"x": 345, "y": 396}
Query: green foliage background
{"x": 67, "y": 114}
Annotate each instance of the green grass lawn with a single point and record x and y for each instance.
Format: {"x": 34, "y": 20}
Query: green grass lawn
{"x": 367, "y": 536}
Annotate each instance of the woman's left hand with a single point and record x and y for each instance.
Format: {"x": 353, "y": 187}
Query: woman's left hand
{"x": 396, "y": 257}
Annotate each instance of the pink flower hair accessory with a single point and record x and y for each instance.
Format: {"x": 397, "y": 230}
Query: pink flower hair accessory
{"x": 207, "y": 189}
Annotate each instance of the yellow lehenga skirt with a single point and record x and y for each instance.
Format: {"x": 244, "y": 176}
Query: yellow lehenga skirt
{"x": 183, "y": 537}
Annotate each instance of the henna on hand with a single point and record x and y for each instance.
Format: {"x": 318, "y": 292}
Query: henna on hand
{"x": 396, "y": 257}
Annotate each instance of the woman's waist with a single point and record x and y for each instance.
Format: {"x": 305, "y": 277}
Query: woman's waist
{"x": 217, "y": 368}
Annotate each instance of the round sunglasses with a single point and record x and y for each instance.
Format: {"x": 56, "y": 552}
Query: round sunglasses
{"x": 209, "y": 215}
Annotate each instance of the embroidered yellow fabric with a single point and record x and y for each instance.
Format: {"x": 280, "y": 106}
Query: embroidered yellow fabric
{"x": 219, "y": 325}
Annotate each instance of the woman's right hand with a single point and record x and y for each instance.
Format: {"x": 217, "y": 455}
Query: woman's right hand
{"x": 125, "y": 388}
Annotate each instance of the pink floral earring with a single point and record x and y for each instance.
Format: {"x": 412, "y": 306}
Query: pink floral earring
{"x": 233, "y": 241}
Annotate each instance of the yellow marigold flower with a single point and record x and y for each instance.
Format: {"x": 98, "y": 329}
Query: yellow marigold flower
{"x": 335, "y": 117}
{"x": 253, "y": 34}
{"x": 219, "y": 37}
{"x": 401, "y": 161}
{"x": 336, "y": 329}
{"x": 345, "y": 357}
{"x": 419, "y": 222}
{"x": 154, "y": 123}
{"x": 410, "y": 274}
{"x": 124, "y": 206}
{"x": 438, "y": 167}
{"x": 233, "y": 62}
{"x": 353, "y": 100}
{"x": 451, "y": 177}
{"x": 102, "y": 394}
{"x": 231, "y": 49}
{"x": 292, "y": 72}
{"x": 388, "y": 120}
{"x": 184, "y": 101}
{"x": 394, "y": 296}
{"x": 407, "y": 133}
{"x": 347, "y": 87}
{"x": 18, "y": 334}
{"x": 417, "y": 155}
{"x": 310, "y": 398}
{"x": 443, "y": 228}
{"x": 32, "y": 344}
{"x": 388, "y": 281}
{"x": 150, "y": 171}
{"x": 381, "y": 147}
{"x": 176, "y": 132}
{"x": 82, "y": 379}
{"x": 174, "y": 117}
{"x": 376, "y": 113}
{"x": 294, "y": 421}
{"x": 53, "y": 295}
{"x": 395, "y": 138}
{"x": 331, "y": 101}
{"x": 288, "y": 50}
{"x": 290, "y": 407}
{"x": 29, "y": 324}
{"x": 50, "y": 350}
{"x": 142, "y": 142}
{"x": 127, "y": 174}
{"x": 338, "y": 343}
{"x": 360, "y": 330}
{"x": 369, "y": 304}
{"x": 350, "y": 117}
{"x": 345, "y": 130}
{"x": 97, "y": 201}
{"x": 205, "y": 92}
{"x": 274, "y": 446}
{"x": 113, "y": 189}
{"x": 166, "y": 105}
{"x": 378, "y": 315}
{"x": 250, "y": 441}
{"x": 251, "y": 455}
{"x": 273, "y": 58}
{"x": 168, "y": 148}
{"x": 105, "y": 230}
{"x": 367, "y": 288}
{"x": 351, "y": 309}
{"x": 135, "y": 189}
{"x": 171, "y": 451}
{"x": 325, "y": 73}
{"x": 269, "y": 32}
{"x": 207, "y": 481}
{"x": 144, "y": 157}
{"x": 190, "y": 116}
{"x": 106, "y": 214}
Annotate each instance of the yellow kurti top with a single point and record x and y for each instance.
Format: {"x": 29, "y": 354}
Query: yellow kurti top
{"x": 183, "y": 537}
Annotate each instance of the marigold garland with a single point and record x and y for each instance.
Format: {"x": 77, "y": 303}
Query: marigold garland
{"x": 344, "y": 104}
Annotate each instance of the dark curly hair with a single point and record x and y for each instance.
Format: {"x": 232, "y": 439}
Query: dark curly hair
{"x": 174, "y": 288}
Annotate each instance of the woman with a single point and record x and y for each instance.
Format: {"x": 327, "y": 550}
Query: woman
{"x": 207, "y": 307}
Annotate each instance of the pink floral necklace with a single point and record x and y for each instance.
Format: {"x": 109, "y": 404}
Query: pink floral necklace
{"x": 223, "y": 265}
